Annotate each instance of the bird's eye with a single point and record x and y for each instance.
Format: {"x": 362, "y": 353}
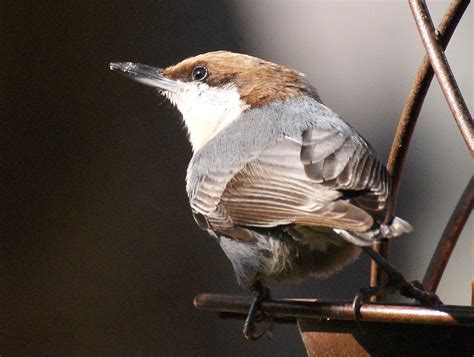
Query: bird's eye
{"x": 199, "y": 73}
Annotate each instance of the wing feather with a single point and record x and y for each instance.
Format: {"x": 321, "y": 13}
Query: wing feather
{"x": 276, "y": 189}
{"x": 323, "y": 175}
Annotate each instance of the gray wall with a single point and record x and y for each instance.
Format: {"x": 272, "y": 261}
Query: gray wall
{"x": 99, "y": 253}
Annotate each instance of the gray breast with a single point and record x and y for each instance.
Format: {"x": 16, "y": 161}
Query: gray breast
{"x": 277, "y": 255}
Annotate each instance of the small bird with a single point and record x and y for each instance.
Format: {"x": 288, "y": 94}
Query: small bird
{"x": 285, "y": 186}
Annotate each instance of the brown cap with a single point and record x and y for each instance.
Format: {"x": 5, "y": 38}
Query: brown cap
{"x": 258, "y": 82}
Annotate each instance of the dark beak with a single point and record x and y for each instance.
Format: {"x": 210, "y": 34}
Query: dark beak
{"x": 148, "y": 75}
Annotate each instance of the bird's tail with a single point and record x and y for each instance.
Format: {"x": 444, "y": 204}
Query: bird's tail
{"x": 396, "y": 228}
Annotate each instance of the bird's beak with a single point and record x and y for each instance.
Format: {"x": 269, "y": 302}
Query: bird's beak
{"x": 148, "y": 75}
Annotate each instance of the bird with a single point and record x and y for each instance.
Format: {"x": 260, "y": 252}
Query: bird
{"x": 286, "y": 187}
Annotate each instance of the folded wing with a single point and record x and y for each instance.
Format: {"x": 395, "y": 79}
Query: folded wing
{"x": 323, "y": 175}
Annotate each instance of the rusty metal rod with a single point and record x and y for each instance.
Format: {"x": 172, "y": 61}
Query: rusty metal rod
{"x": 472, "y": 292}
{"x": 449, "y": 238}
{"x": 443, "y": 71}
{"x": 407, "y": 123}
{"x": 316, "y": 309}
{"x": 377, "y": 276}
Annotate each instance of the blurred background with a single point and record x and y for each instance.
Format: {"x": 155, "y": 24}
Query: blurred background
{"x": 99, "y": 253}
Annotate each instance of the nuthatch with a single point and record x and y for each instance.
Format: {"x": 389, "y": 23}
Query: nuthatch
{"x": 285, "y": 186}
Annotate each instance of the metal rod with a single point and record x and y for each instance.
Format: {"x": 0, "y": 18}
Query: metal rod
{"x": 378, "y": 277}
{"x": 472, "y": 292}
{"x": 449, "y": 238}
{"x": 407, "y": 123}
{"x": 316, "y": 309}
{"x": 443, "y": 72}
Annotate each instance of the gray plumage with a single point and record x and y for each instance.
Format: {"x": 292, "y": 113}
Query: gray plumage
{"x": 288, "y": 189}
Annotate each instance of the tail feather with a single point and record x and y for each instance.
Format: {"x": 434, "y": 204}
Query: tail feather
{"x": 396, "y": 228}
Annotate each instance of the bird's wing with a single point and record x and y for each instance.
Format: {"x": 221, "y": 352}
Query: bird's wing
{"x": 341, "y": 185}
{"x": 322, "y": 179}
{"x": 350, "y": 166}
{"x": 323, "y": 175}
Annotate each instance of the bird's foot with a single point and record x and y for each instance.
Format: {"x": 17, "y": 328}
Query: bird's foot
{"x": 396, "y": 282}
{"x": 255, "y": 315}
{"x": 415, "y": 290}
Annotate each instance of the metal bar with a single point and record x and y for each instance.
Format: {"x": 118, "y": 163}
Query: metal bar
{"x": 378, "y": 277}
{"x": 472, "y": 292}
{"x": 449, "y": 238}
{"x": 316, "y": 309}
{"x": 443, "y": 71}
{"x": 407, "y": 123}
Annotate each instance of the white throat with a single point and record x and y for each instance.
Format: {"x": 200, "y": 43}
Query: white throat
{"x": 206, "y": 110}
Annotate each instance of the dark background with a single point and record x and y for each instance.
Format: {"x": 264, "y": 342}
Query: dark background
{"x": 99, "y": 252}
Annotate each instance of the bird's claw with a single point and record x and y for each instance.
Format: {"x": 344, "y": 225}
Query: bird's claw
{"x": 255, "y": 315}
{"x": 415, "y": 290}
{"x": 397, "y": 282}
{"x": 250, "y": 327}
{"x": 412, "y": 290}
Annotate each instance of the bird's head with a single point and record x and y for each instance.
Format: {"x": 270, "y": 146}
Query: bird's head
{"x": 211, "y": 90}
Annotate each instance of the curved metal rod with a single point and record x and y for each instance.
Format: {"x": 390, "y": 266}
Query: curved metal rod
{"x": 407, "y": 122}
{"x": 449, "y": 238}
{"x": 443, "y": 72}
